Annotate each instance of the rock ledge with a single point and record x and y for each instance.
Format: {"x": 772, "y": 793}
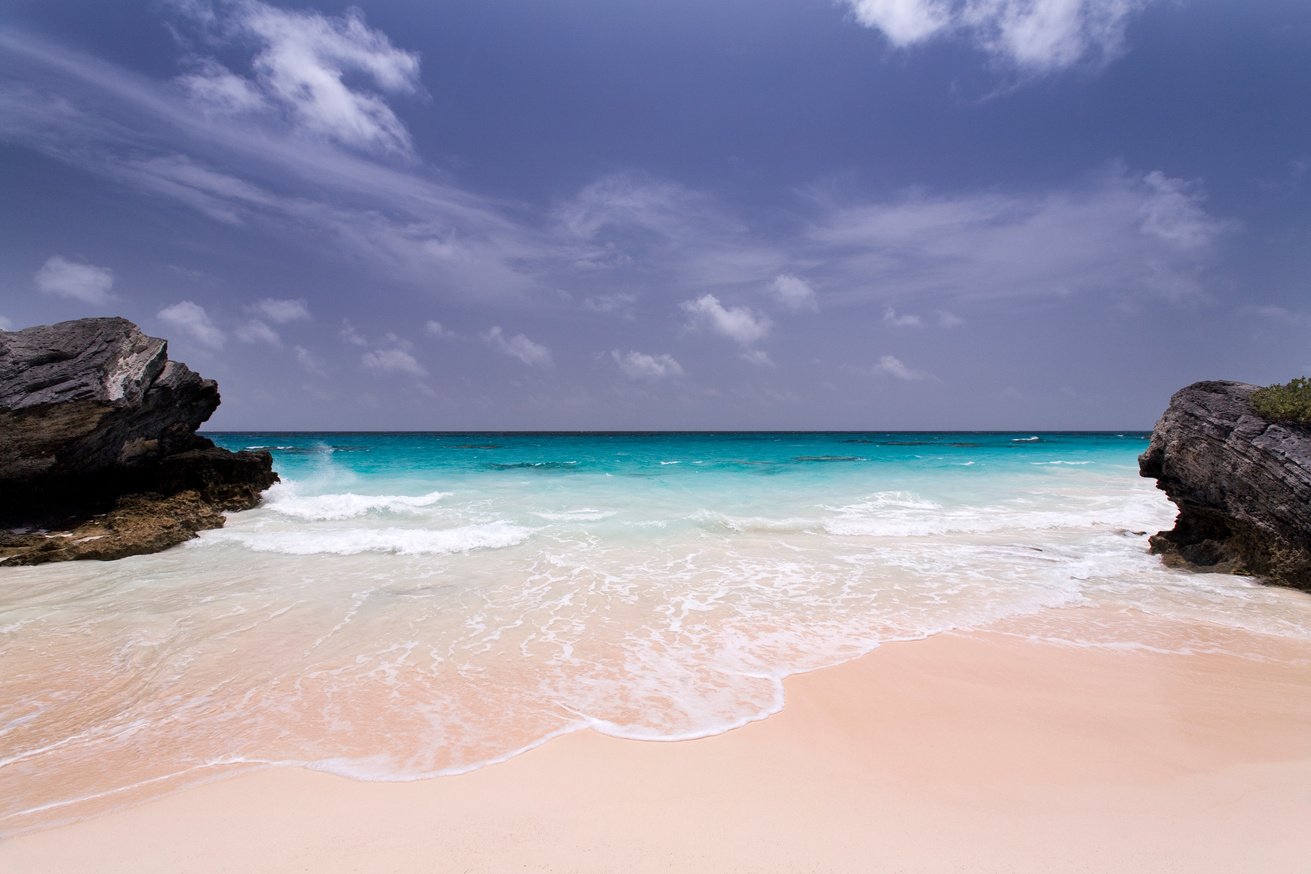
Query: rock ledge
{"x": 1242, "y": 484}
{"x": 99, "y": 456}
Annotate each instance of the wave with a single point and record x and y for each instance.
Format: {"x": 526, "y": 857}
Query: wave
{"x": 531, "y": 465}
{"x": 336, "y": 507}
{"x": 583, "y": 514}
{"x": 354, "y": 541}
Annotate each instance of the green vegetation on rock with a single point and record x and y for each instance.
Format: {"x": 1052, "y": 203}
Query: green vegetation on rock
{"x": 1285, "y": 403}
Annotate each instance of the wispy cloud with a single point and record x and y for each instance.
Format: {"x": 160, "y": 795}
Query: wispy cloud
{"x": 5, "y": 324}
{"x": 1035, "y": 36}
{"x": 1117, "y": 234}
{"x": 518, "y": 346}
{"x": 738, "y": 324}
{"x": 434, "y": 328}
{"x": 281, "y": 311}
{"x": 901, "y": 320}
{"x": 307, "y": 67}
{"x": 642, "y": 366}
{"x": 890, "y": 365}
{"x": 256, "y": 331}
{"x": 308, "y": 361}
{"x": 794, "y": 292}
{"x": 392, "y": 360}
{"x": 191, "y": 319}
{"x": 75, "y": 280}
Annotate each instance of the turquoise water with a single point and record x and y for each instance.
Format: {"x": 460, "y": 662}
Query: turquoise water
{"x": 410, "y": 605}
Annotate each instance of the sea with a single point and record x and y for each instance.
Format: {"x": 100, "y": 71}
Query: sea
{"x": 410, "y": 605}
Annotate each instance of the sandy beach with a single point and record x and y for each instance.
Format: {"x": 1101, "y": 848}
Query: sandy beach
{"x": 981, "y": 751}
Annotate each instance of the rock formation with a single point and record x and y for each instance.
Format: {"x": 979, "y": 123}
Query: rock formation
{"x": 98, "y": 452}
{"x": 1241, "y": 482}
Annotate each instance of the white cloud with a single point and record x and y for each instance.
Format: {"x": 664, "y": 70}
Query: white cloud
{"x": 949, "y": 320}
{"x": 617, "y": 304}
{"x": 758, "y": 357}
{"x": 435, "y": 328}
{"x": 280, "y": 311}
{"x": 907, "y": 320}
{"x": 891, "y": 366}
{"x": 5, "y": 324}
{"x": 75, "y": 280}
{"x": 302, "y": 64}
{"x": 794, "y": 292}
{"x": 1035, "y": 36}
{"x": 518, "y": 346}
{"x": 1173, "y": 212}
{"x": 308, "y": 362}
{"x": 640, "y": 365}
{"x": 256, "y": 331}
{"x": 1119, "y": 234}
{"x": 903, "y": 22}
{"x": 191, "y": 319}
{"x": 349, "y": 334}
{"x": 736, "y": 323}
{"x": 392, "y": 361}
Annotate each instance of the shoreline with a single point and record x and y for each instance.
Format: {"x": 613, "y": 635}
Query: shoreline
{"x": 983, "y": 750}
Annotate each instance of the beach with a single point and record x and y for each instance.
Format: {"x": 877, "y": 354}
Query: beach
{"x": 977, "y": 751}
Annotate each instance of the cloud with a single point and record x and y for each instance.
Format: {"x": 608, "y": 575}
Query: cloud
{"x": 891, "y": 317}
{"x": 435, "y": 328}
{"x": 736, "y": 323}
{"x": 308, "y": 362}
{"x": 758, "y": 357}
{"x": 5, "y": 324}
{"x": 1120, "y": 234}
{"x": 309, "y": 68}
{"x": 618, "y": 304}
{"x": 794, "y": 292}
{"x": 640, "y": 365}
{"x": 75, "y": 280}
{"x": 518, "y": 346}
{"x": 891, "y": 366}
{"x": 903, "y": 22}
{"x": 392, "y": 361}
{"x": 949, "y": 320}
{"x": 349, "y": 334}
{"x": 1034, "y": 36}
{"x": 281, "y": 311}
{"x": 256, "y": 331}
{"x": 192, "y": 320}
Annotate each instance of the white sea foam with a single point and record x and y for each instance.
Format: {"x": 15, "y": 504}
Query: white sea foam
{"x": 335, "y": 507}
{"x": 583, "y": 514}
{"x": 353, "y": 541}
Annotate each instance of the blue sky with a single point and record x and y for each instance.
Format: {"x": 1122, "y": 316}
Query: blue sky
{"x": 812, "y": 214}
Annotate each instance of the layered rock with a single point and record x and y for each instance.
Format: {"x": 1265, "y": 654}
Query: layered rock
{"x": 1242, "y": 484}
{"x": 99, "y": 456}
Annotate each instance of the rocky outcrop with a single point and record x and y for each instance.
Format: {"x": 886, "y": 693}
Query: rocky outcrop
{"x": 99, "y": 456}
{"x": 1242, "y": 484}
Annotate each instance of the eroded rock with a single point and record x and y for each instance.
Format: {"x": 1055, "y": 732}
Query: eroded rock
{"x": 98, "y": 452}
{"x": 1242, "y": 484}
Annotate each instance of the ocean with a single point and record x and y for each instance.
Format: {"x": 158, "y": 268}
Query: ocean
{"x": 405, "y": 606}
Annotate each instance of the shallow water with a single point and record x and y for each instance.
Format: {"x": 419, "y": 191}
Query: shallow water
{"x": 411, "y": 605}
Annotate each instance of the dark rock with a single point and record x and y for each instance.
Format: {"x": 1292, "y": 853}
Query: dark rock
{"x": 98, "y": 452}
{"x": 1242, "y": 484}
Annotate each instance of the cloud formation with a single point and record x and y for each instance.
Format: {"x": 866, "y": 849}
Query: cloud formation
{"x": 191, "y": 319}
{"x": 794, "y": 292}
{"x": 1036, "y": 36}
{"x": 641, "y": 366}
{"x": 892, "y": 366}
{"x": 256, "y": 331}
{"x": 518, "y": 346}
{"x": 738, "y": 324}
{"x": 309, "y": 68}
{"x": 901, "y": 320}
{"x": 435, "y": 328}
{"x": 392, "y": 360}
{"x": 75, "y": 280}
{"x": 281, "y": 311}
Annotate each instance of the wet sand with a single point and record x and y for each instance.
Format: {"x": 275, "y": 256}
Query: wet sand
{"x": 979, "y": 751}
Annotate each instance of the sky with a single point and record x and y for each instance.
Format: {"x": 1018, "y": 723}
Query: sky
{"x": 675, "y": 215}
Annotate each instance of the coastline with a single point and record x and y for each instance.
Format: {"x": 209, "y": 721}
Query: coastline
{"x": 985, "y": 750}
